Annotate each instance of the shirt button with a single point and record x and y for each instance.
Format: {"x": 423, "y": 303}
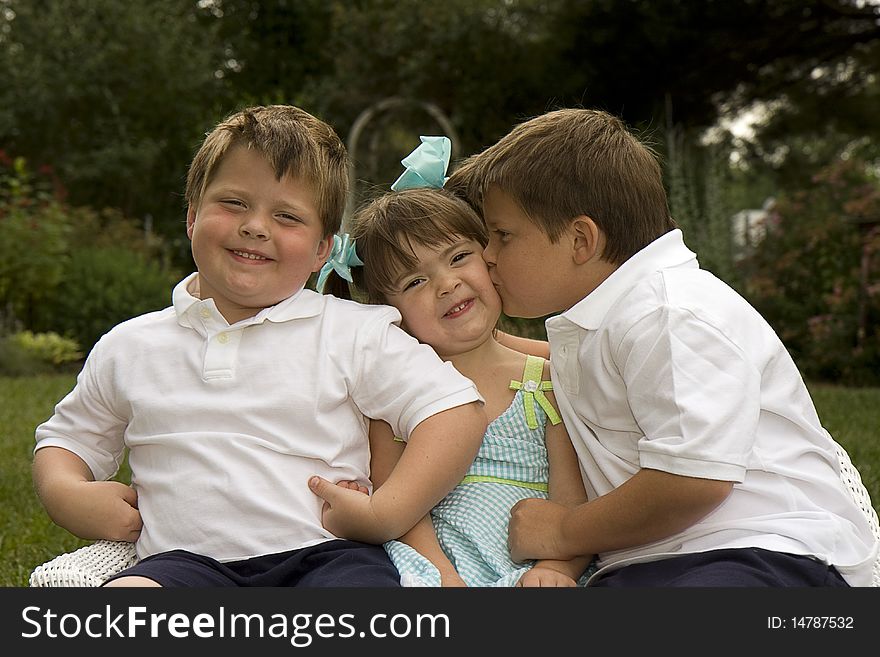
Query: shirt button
{"x": 222, "y": 338}
{"x": 205, "y": 313}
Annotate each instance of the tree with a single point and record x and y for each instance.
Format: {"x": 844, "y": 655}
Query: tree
{"x": 474, "y": 59}
{"x": 117, "y": 95}
{"x": 812, "y": 125}
{"x": 114, "y": 95}
{"x": 270, "y": 49}
{"x": 631, "y": 57}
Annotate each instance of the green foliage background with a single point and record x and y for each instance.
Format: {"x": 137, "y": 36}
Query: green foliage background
{"x": 805, "y": 276}
{"x": 104, "y": 102}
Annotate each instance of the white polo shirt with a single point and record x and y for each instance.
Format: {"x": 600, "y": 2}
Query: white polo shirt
{"x": 664, "y": 366}
{"x": 226, "y": 423}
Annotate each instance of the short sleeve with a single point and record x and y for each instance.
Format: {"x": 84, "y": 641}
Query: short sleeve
{"x": 403, "y": 381}
{"x": 694, "y": 394}
{"x": 84, "y": 423}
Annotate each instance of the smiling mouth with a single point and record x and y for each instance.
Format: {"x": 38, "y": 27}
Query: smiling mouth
{"x": 459, "y": 309}
{"x": 248, "y": 256}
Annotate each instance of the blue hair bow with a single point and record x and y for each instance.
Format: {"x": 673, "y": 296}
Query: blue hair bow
{"x": 342, "y": 258}
{"x": 426, "y": 165}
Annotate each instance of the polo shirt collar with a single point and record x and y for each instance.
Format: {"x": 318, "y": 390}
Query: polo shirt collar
{"x": 304, "y": 303}
{"x": 665, "y": 252}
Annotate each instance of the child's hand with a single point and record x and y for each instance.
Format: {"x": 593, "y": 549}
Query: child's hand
{"x": 535, "y": 530}
{"x": 101, "y": 510}
{"x": 347, "y": 511}
{"x": 354, "y": 485}
{"x": 545, "y": 577}
{"x": 84, "y": 507}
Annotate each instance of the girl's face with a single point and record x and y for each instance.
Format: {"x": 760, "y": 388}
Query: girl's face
{"x": 448, "y": 301}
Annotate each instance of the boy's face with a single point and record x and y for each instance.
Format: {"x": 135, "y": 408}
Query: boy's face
{"x": 255, "y": 240}
{"x": 534, "y": 276}
{"x": 447, "y": 301}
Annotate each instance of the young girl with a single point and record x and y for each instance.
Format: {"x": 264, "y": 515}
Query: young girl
{"x": 421, "y": 252}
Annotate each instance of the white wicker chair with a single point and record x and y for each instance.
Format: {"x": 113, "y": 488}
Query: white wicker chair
{"x": 853, "y": 481}
{"x": 93, "y": 564}
{"x": 90, "y": 565}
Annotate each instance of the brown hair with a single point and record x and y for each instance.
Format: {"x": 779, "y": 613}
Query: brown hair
{"x": 386, "y": 228}
{"x": 573, "y": 162}
{"x": 294, "y": 142}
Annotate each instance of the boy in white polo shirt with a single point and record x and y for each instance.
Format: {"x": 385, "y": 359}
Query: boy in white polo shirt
{"x": 248, "y": 385}
{"x": 704, "y": 459}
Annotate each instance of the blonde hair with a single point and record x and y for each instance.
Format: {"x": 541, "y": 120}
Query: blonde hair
{"x": 293, "y": 141}
{"x": 572, "y": 162}
{"x": 386, "y": 229}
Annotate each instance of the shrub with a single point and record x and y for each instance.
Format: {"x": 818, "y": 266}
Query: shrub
{"x": 103, "y": 286}
{"x": 74, "y": 271}
{"x": 18, "y": 183}
{"x": 33, "y": 254}
{"x": 15, "y": 360}
{"x": 34, "y": 244}
{"x": 26, "y": 353}
{"x": 49, "y": 347}
{"x": 805, "y": 276}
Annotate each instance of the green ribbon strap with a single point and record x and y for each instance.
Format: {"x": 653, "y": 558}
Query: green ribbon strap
{"x": 533, "y": 391}
{"x": 531, "y": 485}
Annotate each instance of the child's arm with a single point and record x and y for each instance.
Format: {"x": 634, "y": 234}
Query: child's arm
{"x": 437, "y": 456}
{"x": 75, "y": 501}
{"x": 650, "y": 506}
{"x": 423, "y": 539}
{"x": 524, "y": 345}
{"x": 385, "y": 452}
{"x": 567, "y": 489}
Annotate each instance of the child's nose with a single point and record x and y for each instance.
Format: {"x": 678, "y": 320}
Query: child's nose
{"x": 489, "y": 254}
{"x": 255, "y": 226}
{"x": 448, "y": 284}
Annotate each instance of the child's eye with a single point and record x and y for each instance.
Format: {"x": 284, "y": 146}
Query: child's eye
{"x": 458, "y": 257}
{"x": 287, "y": 217}
{"x": 232, "y": 201}
{"x": 413, "y": 283}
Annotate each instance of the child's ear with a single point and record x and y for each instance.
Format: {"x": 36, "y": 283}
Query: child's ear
{"x": 323, "y": 252}
{"x": 588, "y": 239}
{"x": 190, "y": 221}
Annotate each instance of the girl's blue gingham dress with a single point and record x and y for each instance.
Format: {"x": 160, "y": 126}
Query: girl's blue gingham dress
{"x": 471, "y": 522}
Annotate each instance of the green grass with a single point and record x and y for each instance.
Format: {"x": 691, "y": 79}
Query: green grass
{"x": 28, "y": 537}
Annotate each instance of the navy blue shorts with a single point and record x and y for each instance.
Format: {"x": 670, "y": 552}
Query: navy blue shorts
{"x": 724, "y": 568}
{"x": 336, "y": 563}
